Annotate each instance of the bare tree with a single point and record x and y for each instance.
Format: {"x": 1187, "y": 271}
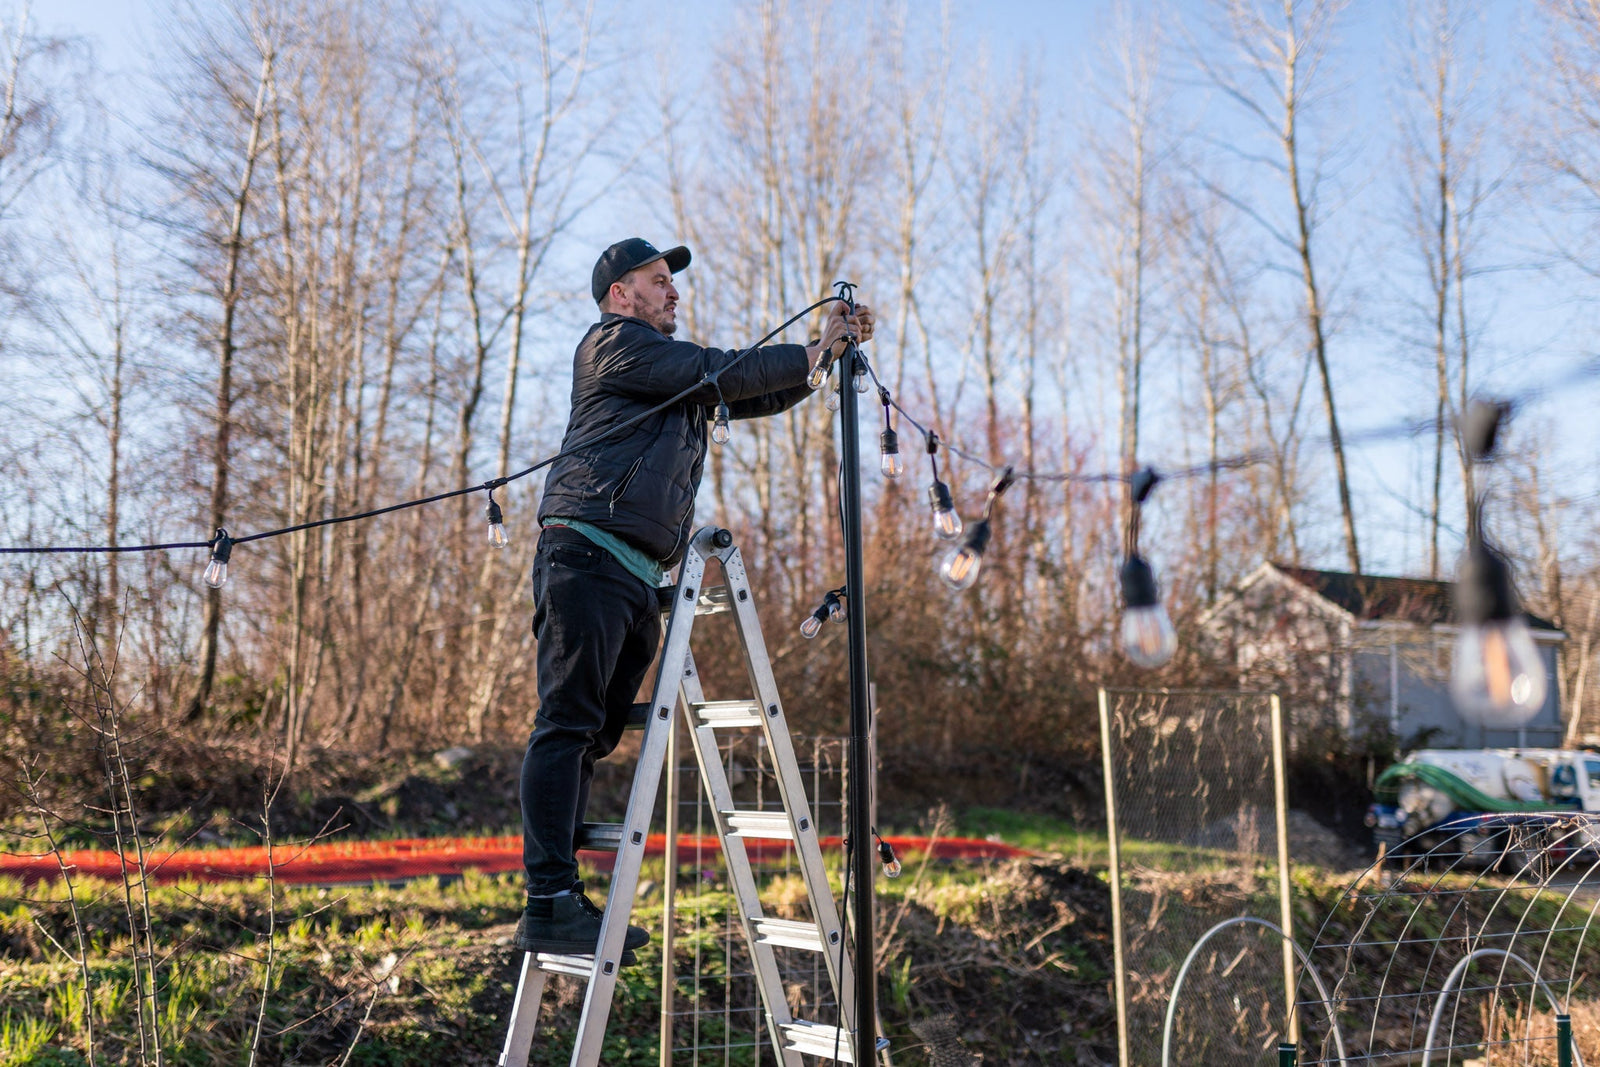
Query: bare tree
{"x": 530, "y": 173}
{"x": 1562, "y": 141}
{"x": 224, "y": 238}
{"x": 30, "y": 121}
{"x": 1280, "y": 48}
{"x": 1442, "y": 145}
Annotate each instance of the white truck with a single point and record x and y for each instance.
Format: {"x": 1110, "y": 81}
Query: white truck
{"x": 1434, "y": 792}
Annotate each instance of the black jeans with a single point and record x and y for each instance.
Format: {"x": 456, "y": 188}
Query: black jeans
{"x": 597, "y": 626}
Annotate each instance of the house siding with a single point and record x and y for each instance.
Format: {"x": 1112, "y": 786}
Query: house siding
{"x": 1359, "y": 676}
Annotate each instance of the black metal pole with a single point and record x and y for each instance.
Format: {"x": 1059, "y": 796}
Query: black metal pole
{"x": 859, "y": 795}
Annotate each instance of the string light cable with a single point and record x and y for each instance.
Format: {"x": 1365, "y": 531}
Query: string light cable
{"x": 863, "y": 371}
{"x": 217, "y": 540}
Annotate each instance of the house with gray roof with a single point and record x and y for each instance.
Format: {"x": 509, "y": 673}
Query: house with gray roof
{"x": 1358, "y": 652}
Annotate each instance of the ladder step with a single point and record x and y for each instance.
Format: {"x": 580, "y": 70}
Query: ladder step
{"x": 819, "y": 1039}
{"x": 727, "y": 714}
{"x": 788, "y": 933}
{"x": 575, "y": 966}
{"x": 600, "y": 836}
{"x": 714, "y": 600}
{"x": 761, "y": 825}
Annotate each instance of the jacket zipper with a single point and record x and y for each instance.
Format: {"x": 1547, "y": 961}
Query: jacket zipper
{"x": 622, "y": 486}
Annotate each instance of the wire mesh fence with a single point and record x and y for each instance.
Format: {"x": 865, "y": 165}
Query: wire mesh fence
{"x": 713, "y": 1014}
{"x": 1464, "y": 946}
{"x": 1195, "y": 802}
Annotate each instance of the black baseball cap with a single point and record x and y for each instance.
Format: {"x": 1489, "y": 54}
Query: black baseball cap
{"x": 628, "y": 255}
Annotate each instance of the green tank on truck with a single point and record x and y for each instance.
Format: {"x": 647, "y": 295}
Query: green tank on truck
{"x": 1435, "y": 792}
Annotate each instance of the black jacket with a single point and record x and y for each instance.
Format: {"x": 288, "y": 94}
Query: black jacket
{"x": 640, "y": 484}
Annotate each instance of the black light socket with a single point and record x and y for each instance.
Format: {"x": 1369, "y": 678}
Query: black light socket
{"x": 939, "y": 497}
{"x": 1484, "y": 591}
{"x": 221, "y": 546}
{"x": 1479, "y": 425}
{"x": 1139, "y": 588}
{"x": 977, "y": 537}
{"x": 1142, "y": 483}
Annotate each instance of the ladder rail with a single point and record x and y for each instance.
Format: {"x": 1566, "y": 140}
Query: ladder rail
{"x": 791, "y": 787}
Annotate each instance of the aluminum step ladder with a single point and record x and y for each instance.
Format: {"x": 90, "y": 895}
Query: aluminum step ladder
{"x": 678, "y": 685}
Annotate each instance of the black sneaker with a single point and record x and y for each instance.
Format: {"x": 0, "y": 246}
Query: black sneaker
{"x": 569, "y": 924}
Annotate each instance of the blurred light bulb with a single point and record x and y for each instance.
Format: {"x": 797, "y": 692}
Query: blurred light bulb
{"x": 892, "y": 464}
{"x": 835, "y": 606}
{"x": 1148, "y": 638}
{"x": 946, "y": 523}
{"x": 1497, "y": 675}
{"x": 720, "y": 430}
{"x": 832, "y": 400}
{"x": 497, "y": 528}
{"x": 861, "y": 381}
{"x": 818, "y": 375}
{"x": 812, "y": 625}
{"x": 216, "y": 572}
{"x": 960, "y": 569}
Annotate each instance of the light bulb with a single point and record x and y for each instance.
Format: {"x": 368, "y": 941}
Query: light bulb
{"x": 1148, "y": 638}
{"x": 720, "y": 431}
{"x": 960, "y": 569}
{"x": 216, "y": 572}
{"x": 892, "y": 464}
{"x": 497, "y": 528}
{"x": 861, "y": 381}
{"x": 832, "y": 401}
{"x": 946, "y": 523}
{"x": 812, "y": 625}
{"x": 835, "y": 607}
{"x": 891, "y": 862}
{"x": 819, "y": 371}
{"x": 1497, "y": 675}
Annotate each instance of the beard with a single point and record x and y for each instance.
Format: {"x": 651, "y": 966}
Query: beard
{"x": 663, "y": 322}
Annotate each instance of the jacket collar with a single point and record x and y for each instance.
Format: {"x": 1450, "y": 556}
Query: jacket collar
{"x": 608, "y": 317}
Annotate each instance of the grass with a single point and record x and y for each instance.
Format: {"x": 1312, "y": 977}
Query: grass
{"x": 417, "y": 974}
{"x": 1018, "y": 953}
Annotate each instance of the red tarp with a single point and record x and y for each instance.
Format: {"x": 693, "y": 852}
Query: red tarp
{"x": 388, "y": 861}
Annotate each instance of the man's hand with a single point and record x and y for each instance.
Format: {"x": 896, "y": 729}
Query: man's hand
{"x": 840, "y": 325}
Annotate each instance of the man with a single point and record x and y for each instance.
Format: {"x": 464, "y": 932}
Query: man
{"x": 616, "y": 514}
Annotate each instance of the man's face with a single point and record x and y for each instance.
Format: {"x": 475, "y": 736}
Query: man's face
{"x": 649, "y": 295}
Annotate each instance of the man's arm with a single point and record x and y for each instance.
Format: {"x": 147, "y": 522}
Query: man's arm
{"x": 648, "y": 366}
{"x": 755, "y": 407}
